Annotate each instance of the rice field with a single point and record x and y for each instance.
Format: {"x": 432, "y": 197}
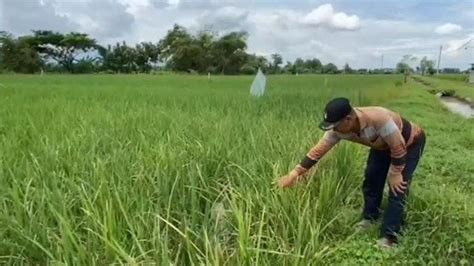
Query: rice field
{"x": 181, "y": 170}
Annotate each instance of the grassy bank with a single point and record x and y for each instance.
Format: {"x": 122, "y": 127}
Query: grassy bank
{"x": 461, "y": 87}
{"x": 453, "y": 77}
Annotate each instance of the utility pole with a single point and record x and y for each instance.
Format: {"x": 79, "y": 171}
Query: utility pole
{"x": 439, "y": 58}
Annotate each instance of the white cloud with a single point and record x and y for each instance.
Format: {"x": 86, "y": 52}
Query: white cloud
{"x": 134, "y": 6}
{"x": 325, "y": 16}
{"x": 205, "y": 4}
{"x": 225, "y": 19}
{"x": 20, "y": 17}
{"x": 102, "y": 19}
{"x": 448, "y": 28}
{"x": 165, "y": 3}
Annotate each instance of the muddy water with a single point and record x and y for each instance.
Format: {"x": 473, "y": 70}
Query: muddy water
{"x": 458, "y": 106}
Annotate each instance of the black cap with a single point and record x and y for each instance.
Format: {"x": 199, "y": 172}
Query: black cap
{"x": 335, "y": 110}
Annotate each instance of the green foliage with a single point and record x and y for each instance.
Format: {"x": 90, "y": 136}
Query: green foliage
{"x": 178, "y": 51}
{"x": 277, "y": 60}
{"x": 229, "y": 52}
{"x": 63, "y": 48}
{"x": 248, "y": 69}
{"x": 449, "y": 82}
{"x": 306, "y": 66}
{"x": 330, "y": 69}
{"x": 427, "y": 66}
{"x": 18, "y": 55}
{"x": 348, "y": 69}
{"x": 85, "y": 66}
{"x": 453, "y": 77}
{"x": 122, "y": 58}
{"x": 257, "y": 62}
{"x": 403, "y": 68}
{"x": 205, "y": 52}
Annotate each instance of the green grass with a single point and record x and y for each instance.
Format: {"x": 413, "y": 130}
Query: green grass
{"x": 179, "y": 170}
{"x": 462, "y": 88}
{"x": 453, "y": 77}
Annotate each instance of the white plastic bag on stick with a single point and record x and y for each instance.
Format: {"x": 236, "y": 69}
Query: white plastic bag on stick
{"x": 258, "y": 84}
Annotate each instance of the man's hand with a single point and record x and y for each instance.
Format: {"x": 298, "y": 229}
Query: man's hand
{"x": 397, "y": 184}
{"x": 288, "y": 180}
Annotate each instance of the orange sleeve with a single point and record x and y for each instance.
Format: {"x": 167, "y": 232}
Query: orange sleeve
{"x": 392, "y": 135}
{"x": 325, "y": 144}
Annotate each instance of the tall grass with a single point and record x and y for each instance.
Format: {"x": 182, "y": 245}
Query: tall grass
{"x": 181, "y": 170}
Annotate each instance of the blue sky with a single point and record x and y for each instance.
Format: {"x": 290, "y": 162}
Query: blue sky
{"x": 354, "y": 32}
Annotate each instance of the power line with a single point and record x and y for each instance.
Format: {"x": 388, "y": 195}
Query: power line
{"x": 455, "y": 50}
{"x": 460, "y": 47}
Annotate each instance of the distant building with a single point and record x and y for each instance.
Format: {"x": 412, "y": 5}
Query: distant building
{"x": 388, "y": 70}
{"x": 450, "y": 71}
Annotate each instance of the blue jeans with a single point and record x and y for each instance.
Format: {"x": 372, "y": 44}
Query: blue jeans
{"x": 378, "y": 164}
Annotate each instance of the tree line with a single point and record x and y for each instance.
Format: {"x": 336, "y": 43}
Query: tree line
{"x": 178, "y": 50}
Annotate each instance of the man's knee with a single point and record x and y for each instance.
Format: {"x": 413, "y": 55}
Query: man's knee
{"x": 399, "y": 199}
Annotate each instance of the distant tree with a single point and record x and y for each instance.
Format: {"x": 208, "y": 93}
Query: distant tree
{"x": 63, "y": 48}
{"x": 119, "y": 58}
{"x": 402, "y": 68}
{"x": 18, "y": 55}
{"x": 86, "y": 65}
{"x": 170, "y": 43}
{"x": 257, "y": 62}
{"x": 146, "y": 54}
{"x": 299, "y": 66}
{"x": 204, "y": 52}
{"x": 178, "y": 50}
{"x": 313, "y": 65}
{"x": 277, "y": 60}
{"x": 348, "y": 69}
{"x": 330, "y": 69}
{"x": 404, "y": 65}
{"x": 430, "y": 68}
{"x": 205, "y": 59}
{"x": 247, "y": 69}
{"x": 422, "y": 66}
{"x": 288, "y": 68}
{"x": 426, "y": 66}
{"x": 262, "y": 62}
{"x": 229, "y": 52}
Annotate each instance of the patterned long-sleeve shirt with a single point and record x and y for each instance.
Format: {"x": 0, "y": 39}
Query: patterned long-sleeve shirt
{"x": 380, "y": 129}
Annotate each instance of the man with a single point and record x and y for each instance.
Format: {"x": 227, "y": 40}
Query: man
{"x": 396, "y": 147}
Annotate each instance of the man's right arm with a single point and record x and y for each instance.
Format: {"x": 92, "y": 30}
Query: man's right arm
{"x": 315, "y": 154}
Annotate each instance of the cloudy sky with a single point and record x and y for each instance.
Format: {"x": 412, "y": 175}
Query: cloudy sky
{"x": 357, "y": 32}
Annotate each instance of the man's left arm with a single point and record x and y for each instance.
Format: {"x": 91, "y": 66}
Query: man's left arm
{"x": 398, "y": 152}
